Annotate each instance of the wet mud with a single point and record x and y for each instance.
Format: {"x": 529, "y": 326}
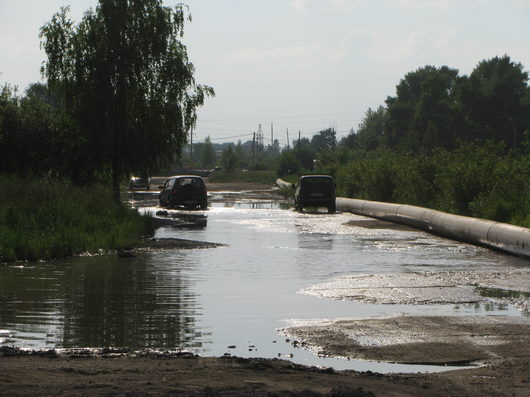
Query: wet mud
{"x": 510, "y": 286}
{"x": 119, "y": 373}
{"x": 173, "y": 243}
{"x": 429, "y": 340}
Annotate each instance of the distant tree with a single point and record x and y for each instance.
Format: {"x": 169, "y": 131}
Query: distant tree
{"x": 495, "y": 99}
{"x": 324, "y": 140}
{"x": 288, "y": 164}
{"x": 305, "y": 152}
{"x": 207, "y": 154}
{"x": 124, "y": 76}
{"x": 371, "y": 131}
{"x": 425, "y": 113}
{"x": 39, "y": 91}
{"x": 244, "y": 158}
{"x": 228, "y": 158}
{"x": 274, "y": 149}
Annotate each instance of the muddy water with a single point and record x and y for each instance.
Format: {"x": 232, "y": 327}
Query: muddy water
{"x": 231, "y": 299}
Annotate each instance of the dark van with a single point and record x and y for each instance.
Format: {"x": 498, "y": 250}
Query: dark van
{"x": 315, "y": 191}
{"x": 184, "y": 191}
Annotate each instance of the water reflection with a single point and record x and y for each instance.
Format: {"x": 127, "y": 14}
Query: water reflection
{"x": 100, "y": 301}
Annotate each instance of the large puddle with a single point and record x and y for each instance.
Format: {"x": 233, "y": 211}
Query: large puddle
{"x": 232, "y": 299}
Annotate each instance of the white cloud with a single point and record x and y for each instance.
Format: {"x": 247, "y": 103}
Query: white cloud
{"x": 434, "y": 43}
{"x": 13, "y": 48}
{"x": 424, "y": 3}
{"x": 325, "y": 4}
{"x": 286, "y": 53}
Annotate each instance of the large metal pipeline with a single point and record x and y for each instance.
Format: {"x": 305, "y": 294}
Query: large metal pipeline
{"x": 501, "y": 236}
{"x": 282, "y": 183}
{"x": 491, "y": 234}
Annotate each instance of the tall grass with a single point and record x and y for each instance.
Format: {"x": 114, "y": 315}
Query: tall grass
{"x": 49, "y": 219}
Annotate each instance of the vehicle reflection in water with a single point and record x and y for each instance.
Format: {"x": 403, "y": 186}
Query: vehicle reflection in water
{"x": 180, "y": 218}
{"x": 239, "y": 295}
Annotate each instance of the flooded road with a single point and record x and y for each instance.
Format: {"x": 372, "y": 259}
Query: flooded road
{"x": 230, "y": 299}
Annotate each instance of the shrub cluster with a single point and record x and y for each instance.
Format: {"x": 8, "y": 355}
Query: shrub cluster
{"x": 474, "y": 180}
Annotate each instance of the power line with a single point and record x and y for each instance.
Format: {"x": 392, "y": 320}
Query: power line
{"x": 231, "y": 137}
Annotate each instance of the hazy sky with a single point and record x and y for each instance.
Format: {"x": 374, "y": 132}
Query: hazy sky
{"x": 302, "y": 65}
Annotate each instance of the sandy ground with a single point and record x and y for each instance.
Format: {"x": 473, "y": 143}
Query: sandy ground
{"x": 498, "y": 346}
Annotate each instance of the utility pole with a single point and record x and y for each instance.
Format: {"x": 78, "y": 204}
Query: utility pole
{"x": 272, "y": 140}
{"x": 254, "y": 148}
{"x": 299, "y": 141}
{"x": 259, "y": 138}
{"x": 287, "y": 138}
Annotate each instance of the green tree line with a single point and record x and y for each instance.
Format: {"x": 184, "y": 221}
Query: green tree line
{"x": 437, "y": 108}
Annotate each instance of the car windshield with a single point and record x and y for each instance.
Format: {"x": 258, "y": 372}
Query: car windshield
{"x": 317, "y": 181}
{"x": 190, "y": 181}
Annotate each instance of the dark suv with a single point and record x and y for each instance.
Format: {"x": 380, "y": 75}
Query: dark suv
{"x": 315, "y": 191}
{"x": 184, "y": 191}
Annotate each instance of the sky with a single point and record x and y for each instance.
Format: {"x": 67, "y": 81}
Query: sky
{"x": 300, "y": 66}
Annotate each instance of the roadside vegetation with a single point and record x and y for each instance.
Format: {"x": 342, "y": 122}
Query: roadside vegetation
{"x": 475, "y": 180}
{"x": 42, "y": 220}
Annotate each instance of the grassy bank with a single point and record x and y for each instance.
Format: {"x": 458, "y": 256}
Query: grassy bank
{"x": 47, "y": 220}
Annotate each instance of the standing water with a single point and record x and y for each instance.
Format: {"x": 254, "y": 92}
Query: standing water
{"x": 231, "y": 299}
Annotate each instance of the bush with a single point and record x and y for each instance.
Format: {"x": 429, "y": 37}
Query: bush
{"x": 474, "y": 180}
{"x": 288, "y": 164}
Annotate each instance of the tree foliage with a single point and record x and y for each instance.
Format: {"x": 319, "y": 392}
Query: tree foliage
{"x": 207, "y": 153}
{"x": 495, "y": 98}
{"x": 435, "y": 107}
{"x": 425, "y": 112}
{"x": 370, "y": 133}
{"x": 125, "y": 79}
{"x": 229, "y": 159}
{"x": 34, "y": 134}
{"x": 324, "y": 140}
